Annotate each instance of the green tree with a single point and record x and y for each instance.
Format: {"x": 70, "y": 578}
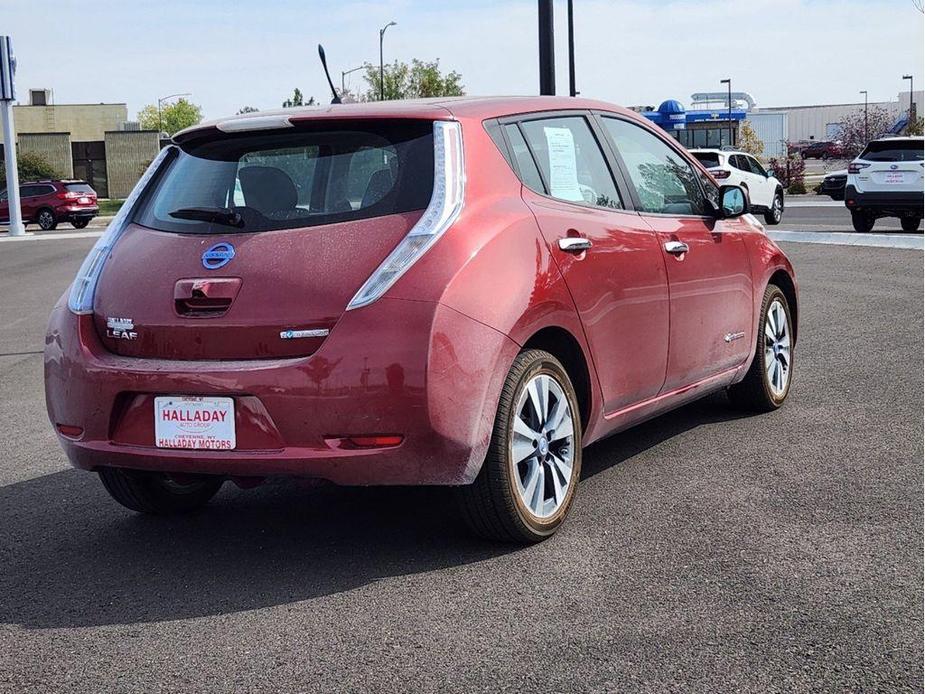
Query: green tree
{"x": 172, "y": 118}
{"x": 297, "y": 100}
{"x": 31, "y": 166}
{"x": 418, "y": 80}
{"x": 915, "y": 127}
{"x": 749, "y": 141}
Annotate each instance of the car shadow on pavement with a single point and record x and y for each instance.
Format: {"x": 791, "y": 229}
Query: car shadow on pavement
{"x": 72, "y": 557}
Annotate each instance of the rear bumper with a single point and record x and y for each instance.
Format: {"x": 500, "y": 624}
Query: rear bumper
{"x": 417, "y": 369}
{"x": 69, "y": 213}
{"x": 884, "y": 202}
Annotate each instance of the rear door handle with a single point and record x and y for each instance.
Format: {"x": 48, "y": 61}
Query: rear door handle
{"x": 676, "y": 247}
{"x": 574, "y": 244}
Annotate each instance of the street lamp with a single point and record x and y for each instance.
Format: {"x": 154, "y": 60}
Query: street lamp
{"x": 728, "y": 82}
{"x": 160, "y": 100}
{"x": 864, "y": 92}
{"x": 344, "y": 73}
{"x": 381, "y": 64}
{"x": 911, "y": 104}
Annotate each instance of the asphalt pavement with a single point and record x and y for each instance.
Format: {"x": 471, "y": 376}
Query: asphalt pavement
{"x": 706, "y": 550}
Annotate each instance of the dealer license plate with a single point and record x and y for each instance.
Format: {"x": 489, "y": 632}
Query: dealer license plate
{"x": 194, "y": 422}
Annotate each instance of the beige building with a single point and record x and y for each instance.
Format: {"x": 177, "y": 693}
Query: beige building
{"x": 93, "y": 142}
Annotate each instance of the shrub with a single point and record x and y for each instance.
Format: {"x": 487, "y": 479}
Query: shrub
{"x": 790, "y": 172}
{"x": 31, "y": 167}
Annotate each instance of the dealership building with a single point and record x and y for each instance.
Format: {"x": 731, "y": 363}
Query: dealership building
{"x": 710, "y": 122}
{"x": 93, "y": 142}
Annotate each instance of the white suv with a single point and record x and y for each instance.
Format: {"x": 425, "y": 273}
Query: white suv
{"x": 886, "y": 180}
{"x": 765, "y": 192}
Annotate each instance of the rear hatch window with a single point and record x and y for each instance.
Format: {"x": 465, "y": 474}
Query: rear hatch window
{"x": 81, "y": 188}
{"x": 893, "y": 150}
{"x": 294, "y": 179}
{"x": 251, "y": 244}
{"x": 710, "y": 160}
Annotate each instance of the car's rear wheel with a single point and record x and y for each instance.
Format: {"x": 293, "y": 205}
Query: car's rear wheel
{"x": 910, "y": 223}
{"x": 46, "y": 219}
{"x": 157, "y": 492}
{"x": 767, "y": 383}
{"x": 527, "y": 482}
{"x": 862, "y": 222}
{"x": 80, "y": 223}
{"x": 776, "y": 211}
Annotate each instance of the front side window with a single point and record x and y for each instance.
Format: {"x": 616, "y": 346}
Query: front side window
{"x": 756, "y": 167}
{"x": 294, "y": 178}
{"x": 664, "y": 181}
{"x": 571, "y": 161}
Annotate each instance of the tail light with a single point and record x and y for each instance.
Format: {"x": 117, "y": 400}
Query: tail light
{"x": 80, "y": 299}
{"x": 442, "y": 211}
{"x": 855, "y": 167}
{"x": 720, "y": 174}
{"x": 67, "y": 196}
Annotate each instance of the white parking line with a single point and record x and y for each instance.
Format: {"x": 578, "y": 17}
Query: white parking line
{"x": 915, "y": 242}
{"x": 52, "y": 236}
{"x": 825, "y": 202}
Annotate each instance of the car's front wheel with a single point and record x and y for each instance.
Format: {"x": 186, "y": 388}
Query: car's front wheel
{"x": 776, "y": 211}
{"x": 862, "y": 222}
{"x": 157, "y": 492}
{"x": 910, "y": 223}
{"x": 767, "y": 383}
{"x": 46, "y": 220}
{"x": 527, "y": 482}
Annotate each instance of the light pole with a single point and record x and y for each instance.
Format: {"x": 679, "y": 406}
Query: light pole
{"x": 864, "y": 92}
{"x": 160, "y": 100}
{"x": 911, "y": 103}
{"x": 381, "y": 63}
{"x": 728, "y": 82}
{"x": 572, "y": 90}
{"x": 344, "y": 73}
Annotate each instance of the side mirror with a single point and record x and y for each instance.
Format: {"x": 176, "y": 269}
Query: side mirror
{"x": 770, "y": 173}
{"x": 732, "y": 202}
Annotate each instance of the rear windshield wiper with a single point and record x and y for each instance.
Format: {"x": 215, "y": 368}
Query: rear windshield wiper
{"x": 219, "y": 215}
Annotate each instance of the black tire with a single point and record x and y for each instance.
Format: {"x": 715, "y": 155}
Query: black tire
{"x": 156, "y": 493}
{"x": 754, "y": 392}
{"x": 863, "y": 222}
{"x": 46, "y": 220}
{"x": 910, "y": 223}
{"x": 492, "y": 505}
{"x": 776, "y": 212}
{"x": 80, "y": 223}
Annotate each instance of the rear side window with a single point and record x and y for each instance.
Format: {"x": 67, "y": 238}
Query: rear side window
{"x": 526, "y": 166}
{"x": 664, "y": 181}
{"x": 79, "y": 188}
{"x": 893, "y": 150}
{"x": 709, "y": 159}
{"x": 295, "y": 178}
{"x": 571, "y": 161}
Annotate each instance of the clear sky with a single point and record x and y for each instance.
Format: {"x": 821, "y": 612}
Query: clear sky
{"x": 230, "y": 54}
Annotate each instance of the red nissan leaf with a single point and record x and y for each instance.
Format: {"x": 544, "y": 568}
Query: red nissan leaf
{"x": 449, "y": 292}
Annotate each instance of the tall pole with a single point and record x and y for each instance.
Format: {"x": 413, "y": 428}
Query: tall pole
{"x": 7, "y": 95}
{"x": 381, "y": 62}
{"x": 571, "y": 52}
{"x": 547, "y": 48}
{"x": 728, "y": 82}
{"x": 866, "y": 136}
{"x": 343, "y": 74}
{"x": 911, "y": 102}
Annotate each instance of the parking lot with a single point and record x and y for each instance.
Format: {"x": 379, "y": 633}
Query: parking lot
{"x": 706, "y": 550}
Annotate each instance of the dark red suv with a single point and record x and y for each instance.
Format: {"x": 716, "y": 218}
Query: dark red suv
{"x": 47, "y": 203}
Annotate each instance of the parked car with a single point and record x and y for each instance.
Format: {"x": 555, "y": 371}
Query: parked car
{"x": 48, "y": 203}
{"x": 766, "y": 194}
{"x": 886, "y": 180}
{"x": 833, "y": 184}
{"x": 823, "y": 150}
{"x": 516, "y": 279}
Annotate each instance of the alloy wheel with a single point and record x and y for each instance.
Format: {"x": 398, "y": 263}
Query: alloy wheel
{"x": 777, "y": 360}
{"x": 542, "y": 445}
{"x": 46, "y": 220}
{"x": 777, "y": 208}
